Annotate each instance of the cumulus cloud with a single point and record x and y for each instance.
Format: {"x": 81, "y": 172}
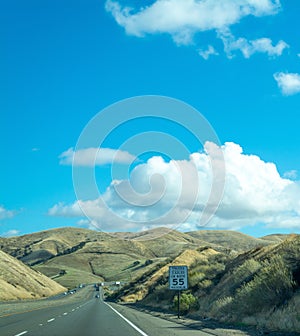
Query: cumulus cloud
{"x": 183, "y": 18}
{"x": 95, "y": 157}
{"x": 208, "y": 52}
{"x": 4, "y": 213}
{"x": 248, "y": 48}
{"x": 289, "y": 83}
{"x": 176, "y": 192}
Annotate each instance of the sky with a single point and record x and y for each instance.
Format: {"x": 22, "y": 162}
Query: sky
{"x": 125, "y": 115}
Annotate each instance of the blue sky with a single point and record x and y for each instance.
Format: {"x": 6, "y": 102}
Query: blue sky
{"x": 63, "y": 62}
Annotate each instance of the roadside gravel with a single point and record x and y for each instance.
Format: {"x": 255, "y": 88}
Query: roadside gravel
{"x": 208, "y": 325}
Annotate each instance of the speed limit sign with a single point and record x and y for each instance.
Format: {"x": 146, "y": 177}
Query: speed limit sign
{"x": 178, "y": 277}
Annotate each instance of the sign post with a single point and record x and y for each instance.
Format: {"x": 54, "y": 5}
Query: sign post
{"x": 178, "y": 280}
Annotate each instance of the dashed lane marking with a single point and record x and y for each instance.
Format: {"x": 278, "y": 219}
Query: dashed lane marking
{"x": 22, "y": 333}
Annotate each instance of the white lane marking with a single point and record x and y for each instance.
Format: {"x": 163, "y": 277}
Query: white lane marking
{"x": 22, "y": 333}
{"x": 51, "y": 320}
{"x": 125, "y": 319}
{"x": 73, "y": 309}
{"x": 65, "y": 314}
{"x": 41, "y": 324}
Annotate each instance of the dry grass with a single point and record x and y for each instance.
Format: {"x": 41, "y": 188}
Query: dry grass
{"x": 18, "y": 281}
{"x": 228, "y": 271}
{"x": 259, "y": 287}
{"x": 156, "y": 280}
{"x": 232, "y": 240}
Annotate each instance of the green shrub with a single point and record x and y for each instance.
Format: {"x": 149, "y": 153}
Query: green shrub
{"x": 205, "y": 284}
{"x": 244, "y": 273}
{"x": 162, "y": 293}
{"x": 195, "y": 278}
{"x": 188, "y": 302}
{"x": 270, "y": 287}
{"x": 222, "y": 306}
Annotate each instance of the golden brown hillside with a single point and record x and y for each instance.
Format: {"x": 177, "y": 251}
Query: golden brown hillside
{"x": 38, "y": 247}
{"x": 260, "y": 287}
{"x": 232, "y": 240}
{"x": 18, "y": 281}
{"x": 86, "y": 256}
{"x": 152, "y": 287}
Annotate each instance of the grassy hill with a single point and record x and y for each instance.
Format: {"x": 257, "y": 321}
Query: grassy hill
{"x": 18, "y": 281}
{"x": 232, "y": 277}
{"x": 74, "y": 256}
{"x": 232, "y": 240}
{"x": 53, "y": 252}
{"x": 40, "y": 246}
{"x": 260, "y": 286}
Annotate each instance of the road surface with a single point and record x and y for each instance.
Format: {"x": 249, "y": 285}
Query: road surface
{"x": 91, "y": 316}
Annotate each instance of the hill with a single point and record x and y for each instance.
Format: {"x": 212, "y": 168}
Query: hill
{"x": 233, "y": 277}
{"x": 276, "y": 237}
{"x": 76, "y": 256}
{"x": 38, "y": 247}
{"x": 260, "y": 286}
{"x": 232, "y": 240}
{"x": 73, "y": 256}
{"x": 18, "y": 281}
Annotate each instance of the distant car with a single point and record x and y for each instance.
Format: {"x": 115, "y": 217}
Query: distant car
{"x": 65, "y": 293}
{"x": 97, "y": 296}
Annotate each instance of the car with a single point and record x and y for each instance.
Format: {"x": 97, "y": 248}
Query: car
{"x": 97, "y": 296}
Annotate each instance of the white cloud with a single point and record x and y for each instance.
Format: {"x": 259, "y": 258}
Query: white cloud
{"x": 289, "y": 83}
{"x": 176, "y": 192}
{"x": 248, "y": 48}
{"x": 208, "y": 52}
{"x": 183, "y": 18}
{"x": 292, "y": 174}
{"x": 11, "y": 233}
{"x": 4, "y": 213}
{"x": 94, "y": 157}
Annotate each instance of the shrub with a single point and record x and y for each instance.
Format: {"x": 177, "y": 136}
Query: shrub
{"x": 188, "y": 302}
{"x": 222, "y": 306}
{"x": 270, "y": 287}
{"x": 148, "y": 262}
{"x": 244, "y": 273}
{"x": 195, "y": 278}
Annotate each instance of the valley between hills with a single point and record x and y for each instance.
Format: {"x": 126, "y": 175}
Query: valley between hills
{"x": 233, "y": 278}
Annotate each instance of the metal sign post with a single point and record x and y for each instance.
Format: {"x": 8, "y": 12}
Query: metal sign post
{"x": 178, "y": 280}
{"x": 178, "y": 304}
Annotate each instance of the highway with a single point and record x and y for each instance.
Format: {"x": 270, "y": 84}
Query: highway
{"x": 91, "y": 316}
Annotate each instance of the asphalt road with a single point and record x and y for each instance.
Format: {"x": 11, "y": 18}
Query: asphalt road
{"x": 91, "y": 316}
